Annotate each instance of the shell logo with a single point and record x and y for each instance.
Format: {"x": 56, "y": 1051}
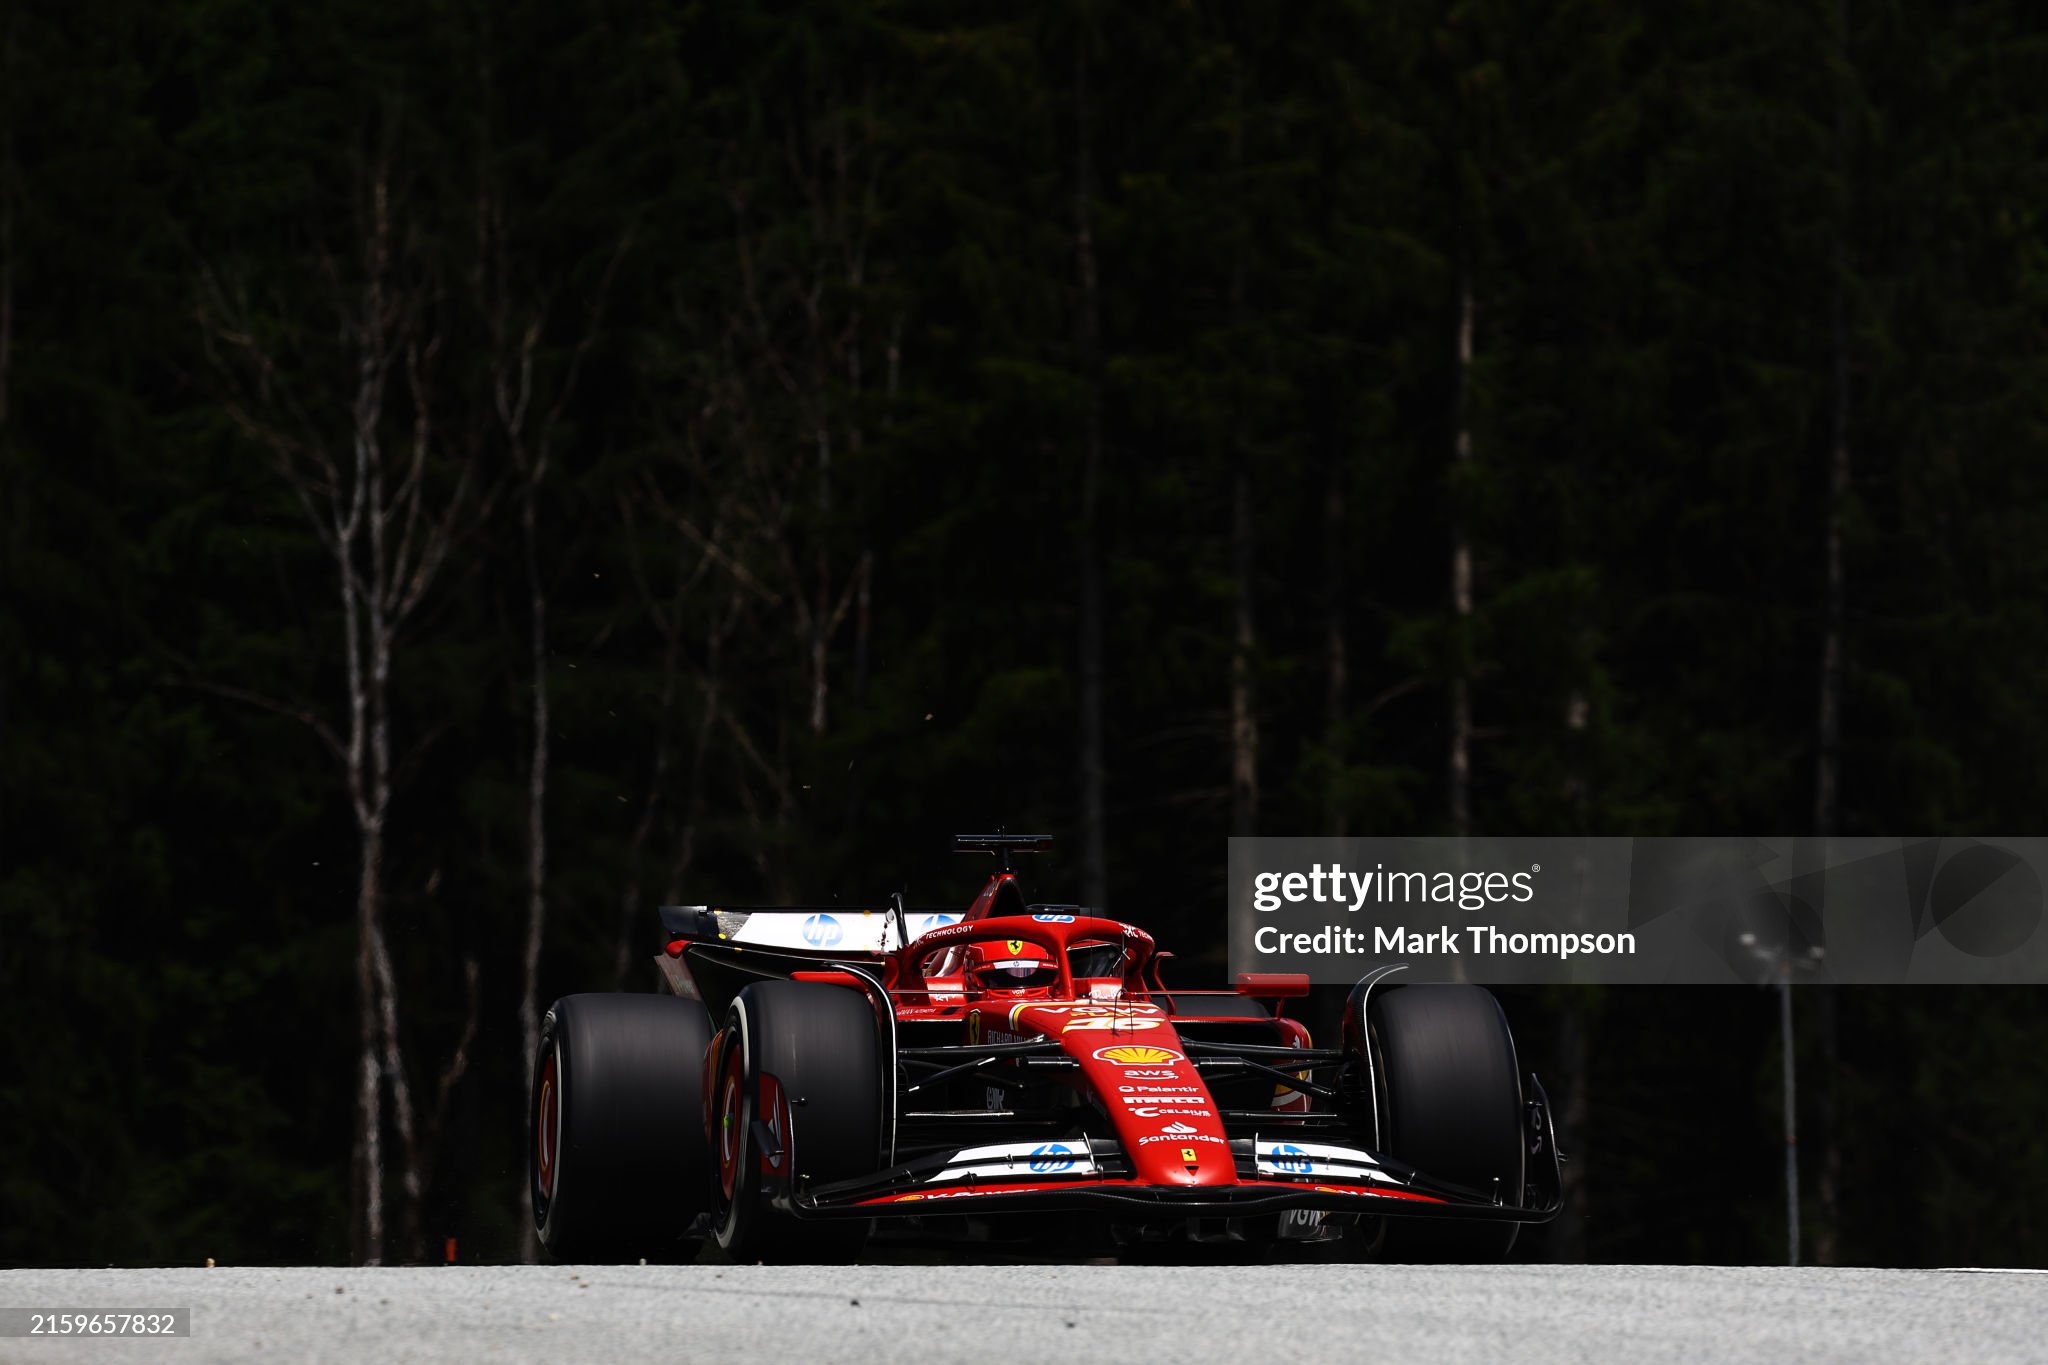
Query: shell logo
{"x": 1131, "y": 1054}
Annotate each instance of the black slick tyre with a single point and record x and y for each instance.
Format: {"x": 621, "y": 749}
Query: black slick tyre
{"x": 1447, "y": 1099}
{"x": 796, "y": 1101}
{"x": 617, "y": 1157}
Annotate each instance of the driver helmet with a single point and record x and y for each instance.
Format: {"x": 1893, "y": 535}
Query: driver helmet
{"x": 1012, "y": 966}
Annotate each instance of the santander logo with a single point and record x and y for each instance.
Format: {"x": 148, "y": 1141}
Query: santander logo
{"x": 1178, "y": 1128}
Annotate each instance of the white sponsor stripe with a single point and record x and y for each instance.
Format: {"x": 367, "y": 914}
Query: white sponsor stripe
{"x": 837, "y": 931}
{"x": 1014, "y": 1160}
{"x": 1082, "y": 1164}
{"x": 1323, "y": 1162}
{"x": 1325, "y": 1170}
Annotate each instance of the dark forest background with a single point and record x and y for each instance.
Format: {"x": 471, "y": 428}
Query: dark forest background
{"x": 472, "y": 471}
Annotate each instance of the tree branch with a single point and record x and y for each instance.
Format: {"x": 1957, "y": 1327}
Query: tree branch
{"x": 303, "y": 714}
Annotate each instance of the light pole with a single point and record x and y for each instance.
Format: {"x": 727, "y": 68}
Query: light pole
{"x": 1782, "y": 962}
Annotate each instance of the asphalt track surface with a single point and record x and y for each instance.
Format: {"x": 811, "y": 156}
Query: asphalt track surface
{"x": 1246, "y": 1315}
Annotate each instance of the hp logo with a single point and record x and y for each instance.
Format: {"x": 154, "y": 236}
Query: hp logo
{"x": 822, "y": 931}
{"x": 1291, "y": 1159}
{"x": 1052, "y": 1158}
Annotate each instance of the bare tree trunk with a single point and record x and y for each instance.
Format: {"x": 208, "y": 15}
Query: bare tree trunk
{"x": 1828, "y": 721}
{"x": 383, "y": 606}
{"x": 1088, "y": 551}
{"x": 1460, "y": 774}
{"x": 1826, "y": 810}
{"x": 512, "y": 407}
{"x": 373, "y": 360}
{"x": 1244, "y": 719}
{"x": 536, "y": 785}
{"x": 386, "y": 548}
{"x": 819, "y": 632}
{"x": 1336, "y": 649}
{"x": 7, "y": 192}
{"x": 368, "y": 1225}
{"x": 512, "y": 396}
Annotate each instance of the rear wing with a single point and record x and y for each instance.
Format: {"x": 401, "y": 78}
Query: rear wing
{"x": 836, "y": 929}
{"x": 1002, "y": 845}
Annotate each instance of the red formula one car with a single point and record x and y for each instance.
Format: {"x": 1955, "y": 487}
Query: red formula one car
{"x": 810, "y": 1076}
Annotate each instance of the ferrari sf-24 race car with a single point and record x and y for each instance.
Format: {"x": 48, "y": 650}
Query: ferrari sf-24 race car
{"x": 807, "y": 1076}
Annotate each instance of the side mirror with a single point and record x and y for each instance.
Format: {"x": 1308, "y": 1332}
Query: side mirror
{"x": 1272, "y": 985}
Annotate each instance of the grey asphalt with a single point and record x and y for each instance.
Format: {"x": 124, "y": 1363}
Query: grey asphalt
{"x": 1246, "y": 1315}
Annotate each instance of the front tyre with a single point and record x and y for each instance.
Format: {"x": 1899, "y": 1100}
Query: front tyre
{"x": 617, "y": 1151}
{"x": 796, "y": 1101}
{"x": 1447, "y": 1099}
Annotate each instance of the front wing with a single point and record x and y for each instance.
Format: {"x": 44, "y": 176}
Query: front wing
{"x": 1021, "y": 1177}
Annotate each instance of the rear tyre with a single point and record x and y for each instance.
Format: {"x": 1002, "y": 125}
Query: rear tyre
{"x": 1448, "y": 1099}
{"x": 617, "y": 1157}
{"x": 802, "y": 1059}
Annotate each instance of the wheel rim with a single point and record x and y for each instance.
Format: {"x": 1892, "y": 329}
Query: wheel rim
{"x": 731, "y": 1123}
{"x": 547, "y": 1136}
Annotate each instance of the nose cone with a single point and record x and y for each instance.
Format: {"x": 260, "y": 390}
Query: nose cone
{"x": 1158, "y": 1103}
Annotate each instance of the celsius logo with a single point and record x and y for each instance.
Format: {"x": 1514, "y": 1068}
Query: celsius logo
{"x": 1053, "y": 1157}
{"x": 822, "y": 931}
{"x": 931, "y": 922}
{"x": 1137, "y": 1054}
{"x": 1291, "y": 1159}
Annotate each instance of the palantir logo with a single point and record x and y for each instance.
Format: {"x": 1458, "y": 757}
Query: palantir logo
{"x": 1291, "y": 1159}
{"x": 1052, "y": 1158}
{"x": 822, "y": 931}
